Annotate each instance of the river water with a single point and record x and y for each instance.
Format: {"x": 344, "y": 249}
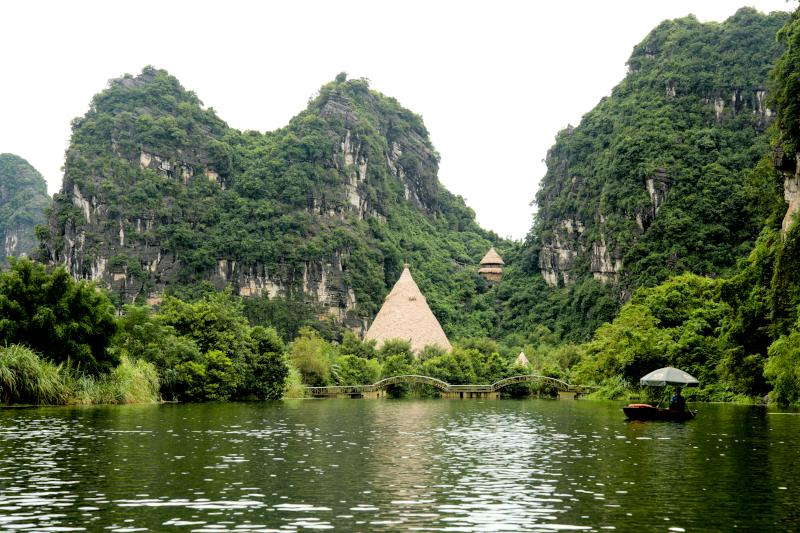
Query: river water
{"x": 397, "y": 465}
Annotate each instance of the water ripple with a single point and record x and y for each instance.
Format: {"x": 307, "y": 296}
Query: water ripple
{"x": 389, "y": 466}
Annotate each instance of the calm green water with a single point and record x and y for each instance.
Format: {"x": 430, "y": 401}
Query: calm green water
{"x": 383, "y": 465}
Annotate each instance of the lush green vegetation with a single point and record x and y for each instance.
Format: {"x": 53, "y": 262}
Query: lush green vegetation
{"x": 64, "y": 345}
{"x": 350, "y": 184}
{"x": 196, "y": 351}
{"x": 28, "y": 378}
{"x": 739, "y": 333}
{"x": 205, "y": 350}
{"x": 691, "y": 114}
{"x": 353, "y": 362}
{"x": 64, "y": 320}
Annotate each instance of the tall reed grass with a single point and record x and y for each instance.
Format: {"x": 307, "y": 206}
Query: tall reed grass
{"x": 294, "y": 384}
{"x": 26, "y": 378}
{"x": 132, "y": 382}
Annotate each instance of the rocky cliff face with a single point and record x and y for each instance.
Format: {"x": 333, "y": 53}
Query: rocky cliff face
{"x": 23, "y": 200}
{"x": 160, "y": 194}
{"x": 791, "y": 193}
{"x": 790, "y": 168}
{"x": 629, "y": 193}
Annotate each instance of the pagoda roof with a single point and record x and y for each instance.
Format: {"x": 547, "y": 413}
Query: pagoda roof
{"x": 492, "y": 258}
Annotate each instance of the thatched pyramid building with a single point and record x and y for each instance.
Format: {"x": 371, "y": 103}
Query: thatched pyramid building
{"x": 491, "y": 268}
{"x": 521, "y": 360}
{"x": 405, "y": 315}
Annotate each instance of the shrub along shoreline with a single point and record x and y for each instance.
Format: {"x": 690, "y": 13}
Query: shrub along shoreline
{"x": 27, "y": 378}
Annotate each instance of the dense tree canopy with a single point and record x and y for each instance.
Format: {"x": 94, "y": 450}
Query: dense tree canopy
{"x": 63, "y": 319}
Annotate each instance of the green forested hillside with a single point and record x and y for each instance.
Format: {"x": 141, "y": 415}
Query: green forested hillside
{"x": 657, "y": 179}
{"x": 23, "y": 199}
{"x": 161, "y": 196}
{"x": 740, "y": 334}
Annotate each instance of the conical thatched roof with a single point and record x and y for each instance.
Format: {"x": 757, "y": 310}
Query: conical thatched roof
{"x": 522, "y": 360}
{"x": 405, "y": 315}
{"x": 492, "y": 258}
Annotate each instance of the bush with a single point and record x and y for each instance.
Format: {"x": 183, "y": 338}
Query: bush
{"x": 310, "y": 354}
{"x": 294, "y": 385}
{"x": 395, "y": 347}
{"x": 213, "y": 378}
{"x": 455, "y": 367}
{"x": 352, "y": 345}
{"x": 132, "y": 381}
{"x": 353, "y": 370}
{"x": 783, "y": 369}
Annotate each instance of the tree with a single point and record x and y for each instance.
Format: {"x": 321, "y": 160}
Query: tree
{"x": 783, "y": 368}
{"x": 216, "y": 322}
{"x": 354, "y": 370}
{"x": 265, "y": 368}
{"x": 143, "y": 334}
{"x": 310, "y": 354}
{"x": 455, "y": 368}
{"x": 352, "y": 345}
{"x": 54, "y": 315}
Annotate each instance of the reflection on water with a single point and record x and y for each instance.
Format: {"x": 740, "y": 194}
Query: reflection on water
{"x": 381, "y": 465}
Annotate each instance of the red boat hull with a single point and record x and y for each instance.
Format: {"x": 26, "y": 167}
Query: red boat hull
{"x": 642, "y": 411}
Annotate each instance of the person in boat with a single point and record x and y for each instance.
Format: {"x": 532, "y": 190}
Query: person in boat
{"x": 677, "y": 402}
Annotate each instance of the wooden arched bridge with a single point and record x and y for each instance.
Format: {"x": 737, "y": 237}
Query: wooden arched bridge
{"x": 378, "y": 389}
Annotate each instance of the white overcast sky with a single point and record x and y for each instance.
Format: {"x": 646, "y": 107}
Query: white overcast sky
{"x": 494, "y": 81}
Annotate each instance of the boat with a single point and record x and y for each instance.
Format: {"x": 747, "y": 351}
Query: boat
{"x": 645, "y": 411}
{"x": 661, "y": 378}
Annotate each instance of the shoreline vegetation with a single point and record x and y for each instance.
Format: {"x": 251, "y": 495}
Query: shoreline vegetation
{"x": 65, "y": 344}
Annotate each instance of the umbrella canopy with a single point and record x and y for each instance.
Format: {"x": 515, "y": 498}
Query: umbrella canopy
{"x": 669, "y": 376}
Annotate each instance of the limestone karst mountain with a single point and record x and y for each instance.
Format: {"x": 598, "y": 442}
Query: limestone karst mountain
{"x": 159, "y": 194}
{"x": 653, "y": 180}
{"x": 23, "y": 200}
{"x": 658, "y": 178}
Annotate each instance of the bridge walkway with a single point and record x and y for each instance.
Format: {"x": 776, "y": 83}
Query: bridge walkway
{"x": 492, "y": 390}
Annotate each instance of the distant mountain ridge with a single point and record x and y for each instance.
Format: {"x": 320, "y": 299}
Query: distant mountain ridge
{"x": 23, "y": 200}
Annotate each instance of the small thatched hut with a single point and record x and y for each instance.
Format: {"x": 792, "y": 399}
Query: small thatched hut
{"x": 521, "y": 360}
{"x": 405, "y": 315}
{"x": 491, "y": 268}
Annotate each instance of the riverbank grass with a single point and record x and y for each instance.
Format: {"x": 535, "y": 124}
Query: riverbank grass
{"x": 27, "y": 378}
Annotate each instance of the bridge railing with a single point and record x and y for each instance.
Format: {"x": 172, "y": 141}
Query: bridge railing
{"x": 530, "y": 378}
{"x": 335, "y": 389}
{"x": 442, "y": 385}
{"x": 470, "y": 388}
{"x": 410, "y": 378}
